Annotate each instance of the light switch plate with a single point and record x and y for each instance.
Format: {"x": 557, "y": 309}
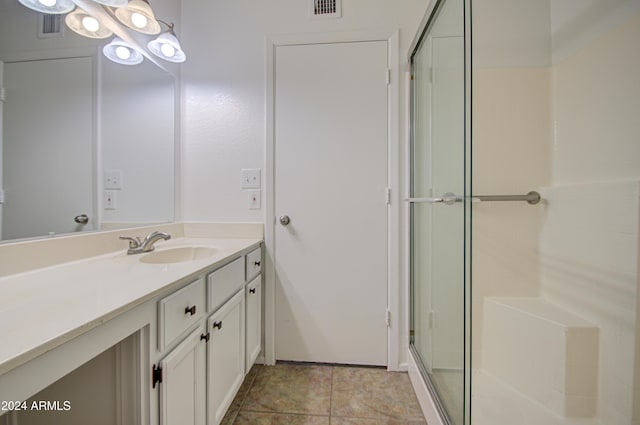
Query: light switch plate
{"x": 254, "y": 199}
{"x": 113, "y": 179}
{"x": 250, "y": 178}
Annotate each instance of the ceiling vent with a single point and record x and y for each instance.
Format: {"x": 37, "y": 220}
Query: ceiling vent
{"x": 320, "y": 9}
{"x": 50, "y": 26}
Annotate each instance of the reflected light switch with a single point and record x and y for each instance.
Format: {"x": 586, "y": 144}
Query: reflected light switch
{"x": 113, "y": 179}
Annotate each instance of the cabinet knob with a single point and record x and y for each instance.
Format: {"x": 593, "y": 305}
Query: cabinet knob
{"x": 217, "y": 324}
{"x": 190, "y": 310}
{"x": 257, "y": 264}
{"x": 252, "y": 290}
{"x": 205, "y": 337}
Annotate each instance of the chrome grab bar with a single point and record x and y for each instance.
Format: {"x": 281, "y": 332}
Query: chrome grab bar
{"x": 448, "y": 198}
{"x": 532, "y": 198}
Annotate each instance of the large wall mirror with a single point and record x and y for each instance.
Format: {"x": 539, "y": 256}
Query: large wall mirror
{"x": 79, "y": 134}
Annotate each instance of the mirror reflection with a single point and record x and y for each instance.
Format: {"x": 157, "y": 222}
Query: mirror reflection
{"x": 85, "y": 143}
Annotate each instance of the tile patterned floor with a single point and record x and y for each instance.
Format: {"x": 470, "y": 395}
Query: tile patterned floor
{"x": 295, "y": 394}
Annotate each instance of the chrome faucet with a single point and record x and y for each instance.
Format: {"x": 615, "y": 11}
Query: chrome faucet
{"x": 136, "y": 246}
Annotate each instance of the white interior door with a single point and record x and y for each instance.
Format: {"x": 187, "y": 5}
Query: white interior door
{"x": 47, "y": 146}
{"x": 331, "y": 158}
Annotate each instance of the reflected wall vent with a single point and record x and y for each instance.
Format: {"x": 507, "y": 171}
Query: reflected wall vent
{"x": 320, "y": 9}
{"x": 50, "y": 26}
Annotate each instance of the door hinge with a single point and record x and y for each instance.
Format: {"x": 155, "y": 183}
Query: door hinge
{"x": 1, "y": 196}
{"x": 387, "y": 317}
{"x": 3, "y": 94}
{"x": 156, "y": 375}
{"x": 388, "y": 76}
{"x": 387, "y": 196}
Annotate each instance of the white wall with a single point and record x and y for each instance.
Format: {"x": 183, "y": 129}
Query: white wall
{"x": 224, "y": 88}
{"x": 224, "y": 91}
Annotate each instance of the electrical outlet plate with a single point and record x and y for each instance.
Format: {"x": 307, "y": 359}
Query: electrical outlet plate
{"x": 254, "y": 199}
{"x": 250, "y": 178}
{"x": 109, "y": 200}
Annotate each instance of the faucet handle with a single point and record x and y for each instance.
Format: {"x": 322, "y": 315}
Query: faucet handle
{"x": 133, "y": 242}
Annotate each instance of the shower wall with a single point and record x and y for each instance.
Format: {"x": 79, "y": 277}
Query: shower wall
{"x": 589, "y": 238}
{"x": 556, "y": 108}
{"x": 511, "y": 147}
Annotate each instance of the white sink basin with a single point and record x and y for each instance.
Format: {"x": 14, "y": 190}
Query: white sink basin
{"x": 178, "y": 255}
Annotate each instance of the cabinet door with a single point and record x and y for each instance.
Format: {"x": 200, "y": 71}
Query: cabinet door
{"x": 225, "y": 357}
{"x": 254, "y": 321}
{"x": 182, "y": 391}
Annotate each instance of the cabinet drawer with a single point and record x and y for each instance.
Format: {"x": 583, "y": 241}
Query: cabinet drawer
{"x": 254, "y": 263}
{"x": 225, "y": 282}
{"x": 178, "y": 311}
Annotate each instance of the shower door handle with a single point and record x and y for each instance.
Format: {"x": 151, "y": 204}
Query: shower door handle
{"x": 447, "y": 199}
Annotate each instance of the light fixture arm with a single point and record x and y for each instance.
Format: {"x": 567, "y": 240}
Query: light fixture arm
{"x": 169, "y": 26}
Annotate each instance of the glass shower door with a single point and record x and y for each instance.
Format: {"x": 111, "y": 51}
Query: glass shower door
{"x": 438, "y": 219}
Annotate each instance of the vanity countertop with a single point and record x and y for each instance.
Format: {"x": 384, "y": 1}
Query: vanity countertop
{"x": 44, "y": 308}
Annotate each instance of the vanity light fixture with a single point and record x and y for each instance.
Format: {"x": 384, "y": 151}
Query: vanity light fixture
{"x": 52, "y": 7}
{"x": 121, "y": 52}
{"x": 86, "y": 25}
{"x": 138, "y": 16}
{"x": 113, "y": 3}
{"x": 166, "y": 46}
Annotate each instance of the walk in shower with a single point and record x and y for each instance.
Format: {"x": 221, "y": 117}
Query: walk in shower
{"x": 525, "y": 310}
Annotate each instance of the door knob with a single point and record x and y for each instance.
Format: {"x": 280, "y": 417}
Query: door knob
{"x": 284, "y": 220}
{"x": 81, "y": 219}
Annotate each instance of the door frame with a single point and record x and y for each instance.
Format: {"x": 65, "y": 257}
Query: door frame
{"x": 397, "y": 322}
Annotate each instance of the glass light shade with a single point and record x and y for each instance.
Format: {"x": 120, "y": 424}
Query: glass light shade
{"x": 84, "y": 24}
{"x": 51, "y": 7}
{"x": 134, "y": 15}
{"x": 166, "y": 46}
{"x": 121, "y": 52}
{"x": 113, "y": 3}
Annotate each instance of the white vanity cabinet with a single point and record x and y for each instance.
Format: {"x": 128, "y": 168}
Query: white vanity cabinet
{"x": 225, "y": 356}
{"x": 253, "y": 328}
{"x": 183, "y": 391}
{"x": 202, "y": 374}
